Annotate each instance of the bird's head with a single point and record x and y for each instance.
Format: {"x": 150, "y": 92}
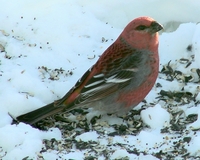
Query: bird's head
{"x": 142, "y": 32}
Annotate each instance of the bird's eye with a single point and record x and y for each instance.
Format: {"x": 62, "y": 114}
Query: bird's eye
{"x": 141, "y": 27}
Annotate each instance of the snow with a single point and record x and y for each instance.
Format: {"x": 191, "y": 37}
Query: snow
{"x": 155, "y": 117}
{"x": 18, "y": 141}
{"x": 37, "y": 37}
{"x": 196, "y": 124}
{"x": 194, "y": 145}
{"x": 89, "y": 136}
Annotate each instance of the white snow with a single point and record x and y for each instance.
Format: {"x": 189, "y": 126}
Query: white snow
{"x": 195, "y": 145}
{"x": 196, "y": 124}
{"x": 155, "y": 117}
{"x": 89, "y": 136}
{"x": 23, "y": 140}
{"x": 68, "y": 35}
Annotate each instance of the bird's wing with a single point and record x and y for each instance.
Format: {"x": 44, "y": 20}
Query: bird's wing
{"x": 120, "y": 73}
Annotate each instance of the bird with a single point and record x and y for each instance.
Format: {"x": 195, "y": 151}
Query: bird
{"x": 120, "y": 79}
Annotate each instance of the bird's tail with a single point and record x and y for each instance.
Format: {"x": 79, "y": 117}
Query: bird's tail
{"x": 39, "y": 114}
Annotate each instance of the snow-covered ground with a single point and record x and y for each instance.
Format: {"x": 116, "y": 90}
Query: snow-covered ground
{"x": 47, "y": 45}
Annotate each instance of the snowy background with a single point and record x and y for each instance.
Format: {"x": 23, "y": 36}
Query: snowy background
{"x": 46, "y": 46}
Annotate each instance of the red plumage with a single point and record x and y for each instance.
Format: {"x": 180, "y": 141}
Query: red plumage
{"x": 120, "y": 79}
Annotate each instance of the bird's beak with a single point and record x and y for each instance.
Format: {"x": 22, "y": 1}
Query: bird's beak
{"x": 155, "y": 27}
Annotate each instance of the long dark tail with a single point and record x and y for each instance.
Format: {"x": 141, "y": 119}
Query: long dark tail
{"x": 39, "y": 114}
{"x": 50, "y": 109}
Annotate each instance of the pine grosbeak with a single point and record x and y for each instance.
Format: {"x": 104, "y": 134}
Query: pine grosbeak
{"x": 120, "y": 79}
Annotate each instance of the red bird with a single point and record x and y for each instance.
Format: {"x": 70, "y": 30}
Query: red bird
{"x": 120, "y": 79}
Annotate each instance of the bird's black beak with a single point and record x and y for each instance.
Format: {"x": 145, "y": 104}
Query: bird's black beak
{"x": 155, "y": 27}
